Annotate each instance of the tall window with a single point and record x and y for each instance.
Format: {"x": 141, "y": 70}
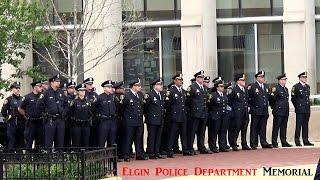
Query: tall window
{"x": 249, "y": 8}
{"x": 154, "y": 9}
{"x": 238, "y": 52}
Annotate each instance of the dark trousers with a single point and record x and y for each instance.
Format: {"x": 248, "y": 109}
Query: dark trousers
{"x": 154, "y": 139}
{"x": 237, "y": 124}
{"x": 54, "y": 132}
{"x": 197, "y": 126}
{"x": 34, "y": 132}
{"x": 133, "y": 134}
{"x": 279, "y": 123}
{"x": 258, "y": 129}
{"x": 176, "y": 129}
{"x": 15, "y": 133}
{"x": 218, "y": 130}
{"x": 94, "y": 142}
{"x": 80, "y": 136}
{"x": 120, "y": 139}
{"x": 164, "y": 137}
{"x": 67, "y": 134}
{"x": 302, "y": 122}
{"x": 107, "y": 131}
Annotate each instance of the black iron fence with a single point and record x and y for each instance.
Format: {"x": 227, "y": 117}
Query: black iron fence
{"x": 62, "y": 164}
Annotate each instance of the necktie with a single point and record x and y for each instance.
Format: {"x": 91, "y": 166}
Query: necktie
{"x": 262, "y": 87}
{"x": 221, "y": 94}
{"x": 137, "y": 95}
{"x": 159, "y": 95}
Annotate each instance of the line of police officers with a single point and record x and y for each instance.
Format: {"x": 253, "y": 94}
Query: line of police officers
{"x": 77, "y": 116}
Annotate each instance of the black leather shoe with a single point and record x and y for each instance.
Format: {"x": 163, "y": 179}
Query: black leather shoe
{"x": 286, "y": 145}
{"x": 308, "y": 144}
{"x": 159, "y": 156}
{"x": 205, "y": 151}
{"x": 275, "y": 145}
{"x": 228, "y": 147}
{"x": 152, "y": 156}
{"x": 193, "y": 152}
{"x": 246, "y": 147}
{"x": 254, "y": 147}
{"x": 142, "y": 158}
{"x": 177, "y": 151}
{"x": 223, "y": 150}
{"x": 267, "y": 146}
{"x": 298, "y": 144}
{"x": 235, "y": 148}
{"x": 214, "y": 150}
{"x": 187, "y": 153}
{"x": 170, "y": 154}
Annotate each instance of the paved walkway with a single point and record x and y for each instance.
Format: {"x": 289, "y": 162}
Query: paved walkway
{"x": 187, "y": 166}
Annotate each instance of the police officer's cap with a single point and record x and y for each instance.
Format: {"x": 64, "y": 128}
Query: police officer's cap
{"x": 206, "y": 79}
{"x": 238, "y": 77}
{"x": 118, "y": 85}
{"x": 71, "y": 84}
{"x": 282, "y": 76}
{"x": 135, "y": 82}
{"x": 304, "y": 74}
{"x": 64, "y": 87}
{"x": 199, "y": 74}
{"x": 156, "y": 81}
{"x": 36, "y": 83}
{"x": 15, "y": 85}
{"x": 177, "y": 76}
{"x": 192, "y": 80}
{"x": 216, "y": 79}
{"x": 54, "y": 78}
{"x": 107, "y": 83}
{"x": 169, "y": 85}
{"x": 81, "y": 87}
{"x": 260, "y": 74}
{"x": 219, "y": 82}
{"x": 45, "y": 82}
{"x": 88, "y": 80}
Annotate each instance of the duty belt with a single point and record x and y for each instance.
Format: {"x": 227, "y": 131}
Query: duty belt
{"x": 35, "y": 119}
{"x": 104, "y": 117}
{"x": 54, "y": 115}
{"x": 81, "y": 122}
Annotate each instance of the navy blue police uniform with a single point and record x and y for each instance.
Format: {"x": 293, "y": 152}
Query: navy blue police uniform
{"x": 300, "y": 98}
{"x": 106, "y": 110}
{"x": 80, "y": 114}
{"x": 259, "y": 103}
{"x": 238, "y": 101}
{"x": 154, "y": 111}
{"x": 34, "y": 122}
{"x": 279, "y": 102}
{"x": 53, "y": 105}
{"x": 15, "y": 121}
{"x": 69, "y": 97}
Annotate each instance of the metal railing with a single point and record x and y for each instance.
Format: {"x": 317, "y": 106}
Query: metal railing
{"x": 62, "y": 164}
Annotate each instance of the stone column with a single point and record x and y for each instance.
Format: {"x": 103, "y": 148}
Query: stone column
{"x": 198, "y": 38}
{"x": 299, "y": 41}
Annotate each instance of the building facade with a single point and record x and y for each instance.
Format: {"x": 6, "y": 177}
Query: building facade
{"x": 222, "y": 37}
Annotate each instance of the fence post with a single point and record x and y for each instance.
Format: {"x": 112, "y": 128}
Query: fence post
{"x": 115, "y": 160}
{"x": 83, "y": 164}
{"x": 1, "y": 164}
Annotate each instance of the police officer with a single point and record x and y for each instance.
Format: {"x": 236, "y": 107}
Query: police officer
{"x": 176, "y": 106}
{"x": 154, "y": 113}
{"x": 119, "y": 93}
{"x": 92, "y": 95}
{"x": 34, "y": 129}
{"x": 15, "y": 121}
{"x": 300, "y": 94}
{"x": 132, "y": 106}
{"x": 206, "y": 82}
{"x": 53, "y": 105}
{"x": 197, "y": 103}
{"x": 218, "y": 121}
{"x": 70, "y": 95}
{"x": 80, "y": 113}
{"x": 258, "y": 101}
{"x": 105, "y": 108}
{"x": 165, "y": 130}
{"x": 45, "y": 85}
{"x": 279, "y": 101}
{"x": 238, "y": 98}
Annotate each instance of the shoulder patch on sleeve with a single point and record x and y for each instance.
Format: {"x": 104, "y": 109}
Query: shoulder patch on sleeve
{"x": 249, "y": 87}
{"x": 189, "y": 89}
{"x": 146, "y": 96}
{"x": 41, "y": 96}
{"x": 71, "y": 102}
{"x": 168, "y": 93}
{"x": 274, "y": 89}
{"x": 5, "y": 102}
{"x": 229, "y": 90}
